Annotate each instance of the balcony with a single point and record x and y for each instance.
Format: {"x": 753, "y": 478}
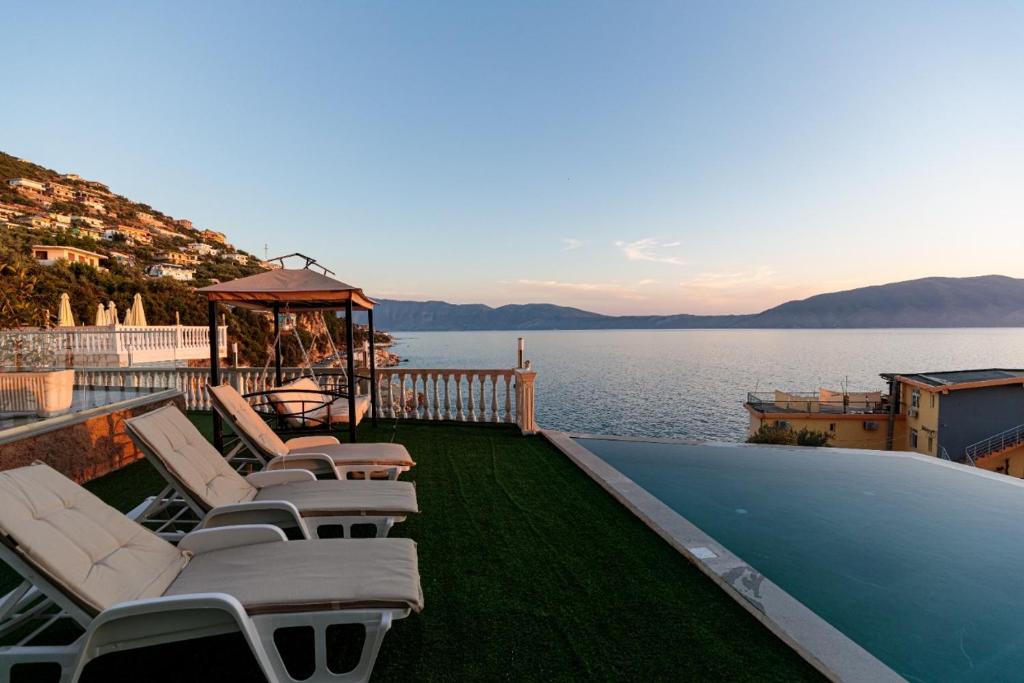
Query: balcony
{"x": 116, "y": 345}
{"x": 821, "y": 401}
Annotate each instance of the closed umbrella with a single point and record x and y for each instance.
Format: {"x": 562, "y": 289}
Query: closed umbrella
{"x": 111, "y": 313}
{"x": 101, "y": 315}
{"x": 138, "y": 312}
{"x": 65, "y": 317}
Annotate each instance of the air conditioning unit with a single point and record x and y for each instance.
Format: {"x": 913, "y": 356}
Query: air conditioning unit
{"x": 912, "y": 411}
{"x": 871, "y": 426}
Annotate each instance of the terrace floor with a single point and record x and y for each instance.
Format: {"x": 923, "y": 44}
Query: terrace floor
{"x": 530, "y": 570}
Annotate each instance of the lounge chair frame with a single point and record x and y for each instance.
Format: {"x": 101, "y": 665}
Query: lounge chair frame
{"x": 143, "y": 623}
{"x": 179, "y": 499}
{"x": 248, "y": 444}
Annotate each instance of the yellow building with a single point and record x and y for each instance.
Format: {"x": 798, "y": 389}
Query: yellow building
{"x": 49, "y": 255}
{"x": 852, "y": 419}
{"x": 970, "y": 416}
{"x": 975, "y": 417}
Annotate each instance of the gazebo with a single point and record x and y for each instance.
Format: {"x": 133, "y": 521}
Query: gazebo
{"x": 299, "y": 290}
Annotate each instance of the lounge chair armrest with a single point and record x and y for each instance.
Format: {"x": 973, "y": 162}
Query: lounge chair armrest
{"x": 279, "y": 513}
{"x": 152, "y": 621}
{"x": 279, "y": 476}
{"x": 314, "y": 462}
{"x": 223, "y": 538}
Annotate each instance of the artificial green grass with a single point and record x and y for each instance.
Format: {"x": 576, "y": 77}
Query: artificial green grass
{"x": 531, "y": 571}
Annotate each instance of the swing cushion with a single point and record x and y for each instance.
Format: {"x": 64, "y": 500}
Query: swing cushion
{"x": 307, "y": 405}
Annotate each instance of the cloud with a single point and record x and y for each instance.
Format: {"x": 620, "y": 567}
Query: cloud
{"x": 650, "y": 249}
{"x": 762, "y": 276}
{"x": 611, "y": 287}
{"x": 570, "y": 243}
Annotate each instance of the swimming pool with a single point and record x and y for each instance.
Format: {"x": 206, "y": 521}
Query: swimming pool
{"x": 917, "y": 561}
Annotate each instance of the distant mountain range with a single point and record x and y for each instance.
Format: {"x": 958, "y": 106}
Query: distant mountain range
{"x": 985, "y": 301}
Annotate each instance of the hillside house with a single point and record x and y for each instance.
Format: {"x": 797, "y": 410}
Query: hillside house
{"x": 11, "y": 211}
{"x": 178, "y": 258}
{"x": 87, "y": 232}
{"x": 35, "y": 221}
{"x": 61, "y": 220}
{"x": 25, "y": 184}
{"x": 128, "y": 234}
{"x": 171, "y": 271}
{"x": 91, "y": 203}
{"x": 89, "y": 221}
{"x": 123, "y": 259}
{"x": 237, "y": 258}
{"x": 49, "y": 255}
{"x": 214, "y": 236}
{"x": 148, "y": 219}
{"x": 201, "y": 248}
{"x": 60, "y": 192}
{"x": 70, "y": 176}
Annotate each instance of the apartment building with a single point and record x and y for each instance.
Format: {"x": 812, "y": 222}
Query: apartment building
{"x": 49, "y": 255}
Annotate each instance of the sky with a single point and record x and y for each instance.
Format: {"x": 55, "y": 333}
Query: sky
{"x": 622, "y": 157}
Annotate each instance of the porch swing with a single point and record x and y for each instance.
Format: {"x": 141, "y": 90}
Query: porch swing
{"x": 302, "y": 404}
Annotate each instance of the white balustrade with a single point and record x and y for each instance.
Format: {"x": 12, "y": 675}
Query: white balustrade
{"x": 491, "y": 395}
{"x": 102, "y": 346}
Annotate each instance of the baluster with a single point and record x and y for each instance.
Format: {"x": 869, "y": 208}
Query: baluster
{"x": 483, "y": 400}
{"x": 508, "y": 398}
{"x": 494, "y": 398}
{"x": 447, "y": 413}
{"x": 425, "y": 415}
{"x": 471, "y": 415}
{"x": 458, "y": 397}
{"x": 403, "y": 402}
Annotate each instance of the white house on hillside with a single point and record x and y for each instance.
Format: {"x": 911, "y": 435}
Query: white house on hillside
{"x": 168, "y": 270}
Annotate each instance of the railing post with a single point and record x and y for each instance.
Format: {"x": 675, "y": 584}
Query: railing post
{"x": 525, "y": 399}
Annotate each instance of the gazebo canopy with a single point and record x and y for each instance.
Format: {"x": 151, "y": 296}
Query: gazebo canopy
{"x": 299, "y": 290}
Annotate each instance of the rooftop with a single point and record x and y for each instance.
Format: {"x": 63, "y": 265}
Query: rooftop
{"x": 530, "y": 571}
{"x": 956, "y": 378}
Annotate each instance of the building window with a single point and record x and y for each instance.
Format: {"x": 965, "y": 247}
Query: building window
{"x": 915, "y": 398}
{"x": 933, "y": 400}
{"x": 913, "y": 438}
{"x": 41, "y": 255}
{"x": 832, "y": 427}
{"x": 931, "y": 443}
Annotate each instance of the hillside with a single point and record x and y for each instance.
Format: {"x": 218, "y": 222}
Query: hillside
{"x": 985, "y": 301}
{"x": 45, "y": 207}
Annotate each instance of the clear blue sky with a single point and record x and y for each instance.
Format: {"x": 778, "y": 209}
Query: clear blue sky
{"x": 651, "y": 157}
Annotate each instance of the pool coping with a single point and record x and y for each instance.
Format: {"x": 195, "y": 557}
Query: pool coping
{"x": 50, "y": 424}
{"x": 822, "y": 645}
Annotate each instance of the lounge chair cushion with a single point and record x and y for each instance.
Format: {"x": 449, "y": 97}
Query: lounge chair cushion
{"x": 331, "y": 497}
{"x": 305, "y": 408}
{"x": 192, "y": 460}
{"x": 96, "y": 554}
{"x": 247, "y": 419}
{"x": 390, "y": 454}
{"x": 318, "y": 575}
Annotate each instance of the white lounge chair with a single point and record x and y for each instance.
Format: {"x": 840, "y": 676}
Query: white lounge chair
{"x": 127, "y": 588}
{"x": 219, "y": 496}
{"x": 315, "y": 453}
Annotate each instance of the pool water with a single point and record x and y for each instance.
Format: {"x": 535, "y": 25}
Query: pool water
{"x": 920, "y": 564}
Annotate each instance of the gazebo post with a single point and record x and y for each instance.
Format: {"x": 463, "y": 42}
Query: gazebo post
{"x": 218, "y": 436}
{"x": 373, "y": 370}
{"x": 277, "y": 345}
{"x": 350, "y": 343}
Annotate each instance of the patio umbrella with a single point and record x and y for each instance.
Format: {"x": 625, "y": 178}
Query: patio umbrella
{"x": 101, "y": 315}
{"x": 111, "y": 313}
{"x": 65, "y": 318}
{"x": 138, "y": 312}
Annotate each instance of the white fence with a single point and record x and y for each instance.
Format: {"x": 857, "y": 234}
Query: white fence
{"x": 487, "y": 395}
{"x": 116, "y": 345}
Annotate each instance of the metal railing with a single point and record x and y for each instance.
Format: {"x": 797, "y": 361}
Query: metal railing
{"x": 1004, "y": 440}
{"x": 810, "y": 402}
{"x": 459, "y": 395}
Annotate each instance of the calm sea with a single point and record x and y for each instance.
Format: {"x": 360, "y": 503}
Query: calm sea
{"x": 692, "y": 383}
